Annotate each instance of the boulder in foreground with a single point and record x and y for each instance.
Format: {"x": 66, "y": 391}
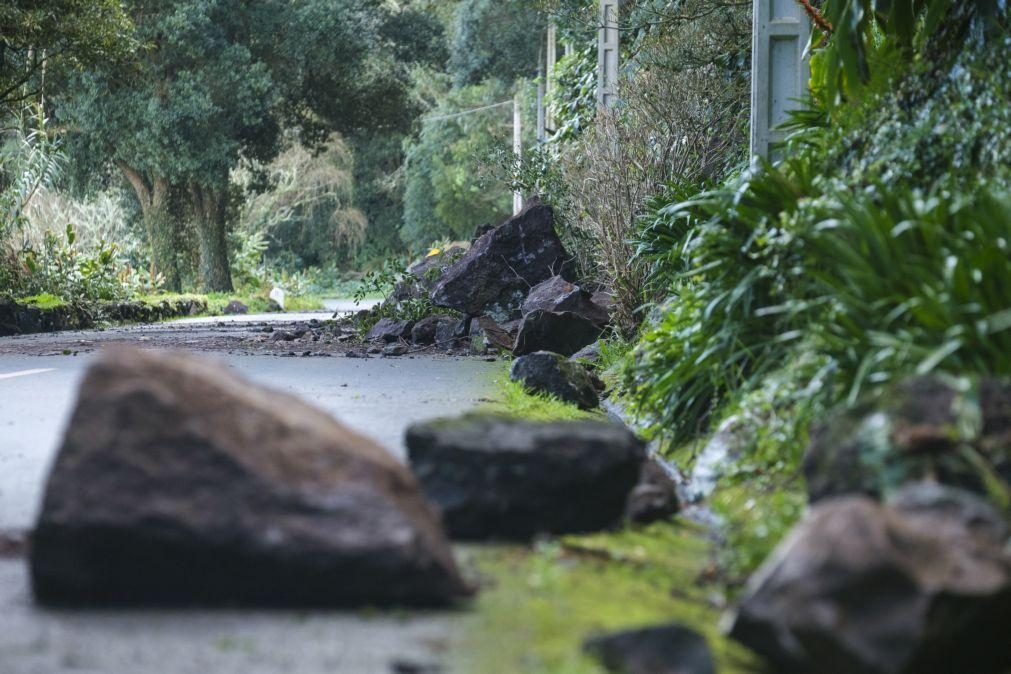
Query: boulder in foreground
{"x": 500, "y": 478}
{"x": 178, "y": 483}
{"x": 921, "y": 585}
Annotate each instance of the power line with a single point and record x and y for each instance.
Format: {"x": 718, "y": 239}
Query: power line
{"x": 454, "y": 115}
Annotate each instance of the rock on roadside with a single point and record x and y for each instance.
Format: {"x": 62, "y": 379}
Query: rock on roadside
{"x": 389, "y": 330}
{"x": 666, "y": 649}
{"x": 501, "y": 478}
{"x": 235, "y": 308}
{"x": 495, "y": 275}
{"x": 178, "y": 483}
{"x": 562, "y": 332}
{"x": 921, "y": 585}
{"x": 554, "y": 375}
{"x": 557, "y": 294}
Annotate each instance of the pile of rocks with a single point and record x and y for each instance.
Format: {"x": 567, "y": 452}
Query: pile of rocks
{"x": 510, "y": 290}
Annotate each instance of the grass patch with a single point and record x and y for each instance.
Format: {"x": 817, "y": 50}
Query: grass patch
{"x": 43, "y": 301}
{"x": 543, "y": 602}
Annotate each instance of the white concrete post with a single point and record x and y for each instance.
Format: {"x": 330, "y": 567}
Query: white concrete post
{"x": 779, "y": 70}
{"x": 549, "y": 72}
{"x": 608, "y": 44}
{"x": 517, "y": 146}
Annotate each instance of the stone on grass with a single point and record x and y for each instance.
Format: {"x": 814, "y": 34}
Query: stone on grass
{"x": 921, "y": 585}
{"x": 562, "y": 332}
{"x": 665, "y": 649}
{"x": 234, "y": 308}
{"x": 495, "y": 275}
{"x": 557, "y": 294}
{"x": 502, "y": 478}
{"x": 919, "y": 428}
{"x": 654, "y": 497}
{"x": 178, "y": 483}
{"x": 552, "y": 374}
{"x": 389, "y": 330}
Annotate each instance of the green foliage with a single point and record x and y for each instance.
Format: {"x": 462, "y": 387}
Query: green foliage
{"x": 45, "y": 35}
{"x": 493, "y": 39}
{"x": 445, "y": 197}
{"x": 879, "y": 243}
{"x": 512, "y": 399}
{"x": 30, "y": 160}
{"x": 854, "y": 30}
{"x": 60, "y": 268}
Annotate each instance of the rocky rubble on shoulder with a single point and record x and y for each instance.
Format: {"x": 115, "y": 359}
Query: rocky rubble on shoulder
{"x": 174, "y": 474}
{"x": 563, "y": 332}
{"x": 918, "y": 585}
{"x": 501, "y": 478}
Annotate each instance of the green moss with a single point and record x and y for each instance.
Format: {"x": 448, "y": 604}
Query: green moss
{"x": 43, "y": 301}
{"x": 540, "y": 604}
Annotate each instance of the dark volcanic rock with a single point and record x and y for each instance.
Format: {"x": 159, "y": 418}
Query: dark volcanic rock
{"x": 486, "y": 334}
{"x": 421, "y": 277}
{"x": 557, "y": 294}
{"x": 561, "y": 332}
{"x": 654, "y": 497}
{"x": 919, "y": 586}
{"x": 426, "y": 331}
{"x": 235, "y": 307}
{"x": 390, "y": 330}
{"x": 496, "y": 274}
{"x": 178, "y": 483}
{"x": 502, "y": 478}
{"x": 553, "y": 374}
{"x": 395, "y": 349}
{"x": 667, "y": 649}
{"x": 918, "y": 429}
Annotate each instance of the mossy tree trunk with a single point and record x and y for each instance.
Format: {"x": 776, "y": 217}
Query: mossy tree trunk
{"x": 209, "y": 206}
{"x": 153, "y": 195}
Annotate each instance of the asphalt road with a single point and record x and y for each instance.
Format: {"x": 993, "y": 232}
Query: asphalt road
{"x": 379, "y": 397}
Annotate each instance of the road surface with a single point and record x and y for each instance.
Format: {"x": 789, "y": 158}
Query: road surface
{"x": 377, "y": 396}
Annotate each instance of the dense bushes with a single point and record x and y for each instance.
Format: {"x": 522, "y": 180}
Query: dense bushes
{"x": 879, "y": 245}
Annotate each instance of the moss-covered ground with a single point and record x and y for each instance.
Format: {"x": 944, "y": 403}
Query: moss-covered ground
{"x": 538, "y": 603}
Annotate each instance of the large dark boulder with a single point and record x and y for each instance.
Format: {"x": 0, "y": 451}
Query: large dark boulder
{"x": 178, "y": 483}
{"x": 421, "y": 277}
{"x": 500, "y": 478}
{"x": 496, "y": 274}
{"x": 921, "y": 585}
{"x": 557, "y": 294}
{"x": 561, "y": 332}
{"x": 923, "y": 427}
{"x": 666, "y": 649}
{"x": 555, "y": 375}
{"x": 390, "y": 330}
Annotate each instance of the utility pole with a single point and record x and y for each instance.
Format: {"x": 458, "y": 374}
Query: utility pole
{"x": 608, "y": 45}
{"x": 779, "y": 69}
{"x": 518, "y": 145}
{"x": 549, "y": 82}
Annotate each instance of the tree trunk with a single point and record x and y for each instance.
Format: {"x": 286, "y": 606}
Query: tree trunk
{"x": 215, "y": 271}
{"x": 160, "y": 225}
